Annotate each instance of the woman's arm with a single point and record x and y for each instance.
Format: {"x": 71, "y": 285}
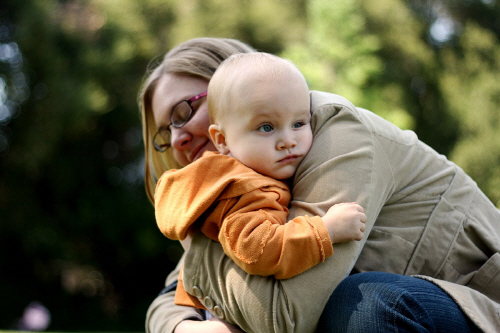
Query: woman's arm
{"x": 163, "y": 315}
{"x": 256, "y": 303}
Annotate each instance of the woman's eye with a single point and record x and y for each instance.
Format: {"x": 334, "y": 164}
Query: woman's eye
{"x": 265, "y": 128}
{"x": 298, "y": 124}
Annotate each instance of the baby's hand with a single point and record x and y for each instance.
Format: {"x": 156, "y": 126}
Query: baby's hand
{"x": 345, "y": 222}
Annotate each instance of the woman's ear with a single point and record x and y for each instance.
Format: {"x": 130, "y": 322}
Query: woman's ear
{"x": 218, "y": 138}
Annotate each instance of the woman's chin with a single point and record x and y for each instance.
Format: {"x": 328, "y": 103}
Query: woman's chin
{"x": 207, "y": 147}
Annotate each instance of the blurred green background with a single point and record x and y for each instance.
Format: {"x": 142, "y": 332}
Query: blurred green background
{"x": 78, "y": 240}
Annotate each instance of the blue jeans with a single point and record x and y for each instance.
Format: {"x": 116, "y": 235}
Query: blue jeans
{"x": 384, "y": 302}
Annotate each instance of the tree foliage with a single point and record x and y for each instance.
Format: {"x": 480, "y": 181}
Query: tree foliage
{"x": 427, "y": 66}
{"x": 77, "y": 232}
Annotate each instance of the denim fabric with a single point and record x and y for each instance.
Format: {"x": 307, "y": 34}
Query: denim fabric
{"x": 384, "y": 302}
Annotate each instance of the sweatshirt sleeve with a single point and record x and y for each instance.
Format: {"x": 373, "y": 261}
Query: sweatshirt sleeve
{"x": 256, "y": 235}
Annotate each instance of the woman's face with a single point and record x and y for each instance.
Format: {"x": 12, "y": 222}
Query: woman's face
{"x": 191, "y": 140}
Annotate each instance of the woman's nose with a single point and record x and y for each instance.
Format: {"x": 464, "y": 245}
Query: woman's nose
{"x": 180, "y": 138}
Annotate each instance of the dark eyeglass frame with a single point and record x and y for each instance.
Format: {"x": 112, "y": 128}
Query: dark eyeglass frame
{"x": 161, "y": 147}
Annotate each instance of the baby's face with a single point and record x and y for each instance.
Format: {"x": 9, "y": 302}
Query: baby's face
{"x": 269, "y": 129}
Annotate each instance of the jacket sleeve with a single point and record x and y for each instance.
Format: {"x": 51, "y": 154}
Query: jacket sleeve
{"x": 340, "y": 167}
{"x": 256, "y": 235}
{"x": 163, "y": 315}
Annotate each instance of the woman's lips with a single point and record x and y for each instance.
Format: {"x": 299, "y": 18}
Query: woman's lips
{"x": 196, "y": 154}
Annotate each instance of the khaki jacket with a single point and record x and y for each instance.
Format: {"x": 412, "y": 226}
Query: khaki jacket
{"x": 426, "y": 217}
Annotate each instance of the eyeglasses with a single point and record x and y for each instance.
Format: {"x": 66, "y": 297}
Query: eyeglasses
{"x": 182, "y": 112}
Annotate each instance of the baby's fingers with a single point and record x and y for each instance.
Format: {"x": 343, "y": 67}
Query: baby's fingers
{"x": 358, "y": 207}
{"x": 363, "y": 218}
{"x": 360, "y": 234}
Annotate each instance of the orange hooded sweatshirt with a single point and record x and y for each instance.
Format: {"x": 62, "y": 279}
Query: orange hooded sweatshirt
{"x": 245, "y": 211}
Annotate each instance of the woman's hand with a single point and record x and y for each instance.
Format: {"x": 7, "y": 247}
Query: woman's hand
{"x": 213, "y": 325}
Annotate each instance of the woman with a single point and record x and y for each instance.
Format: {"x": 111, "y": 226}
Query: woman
{"x": 425, "y": 217}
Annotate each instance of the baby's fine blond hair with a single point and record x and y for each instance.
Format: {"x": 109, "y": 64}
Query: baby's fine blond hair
{"x": 241, "y": 70}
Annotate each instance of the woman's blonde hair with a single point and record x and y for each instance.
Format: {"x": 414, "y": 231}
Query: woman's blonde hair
{"x": 198, "y": 57}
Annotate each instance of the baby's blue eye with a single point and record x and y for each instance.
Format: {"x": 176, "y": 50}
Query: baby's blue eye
{"x": 265, "y": 128}
{"x": 298, "y": 124}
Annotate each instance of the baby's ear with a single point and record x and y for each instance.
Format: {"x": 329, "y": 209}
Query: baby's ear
{"x": 218, "y": 138}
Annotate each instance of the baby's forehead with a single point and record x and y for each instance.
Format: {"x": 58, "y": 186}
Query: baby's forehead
{"x": 271, "y": 108}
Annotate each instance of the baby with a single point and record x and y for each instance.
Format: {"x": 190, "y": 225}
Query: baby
{"x": 260, "y": 123}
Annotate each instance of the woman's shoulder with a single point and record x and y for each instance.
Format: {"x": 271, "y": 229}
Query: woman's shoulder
{"x": 321, "y": 99}
{"x": 325, "y": 106}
